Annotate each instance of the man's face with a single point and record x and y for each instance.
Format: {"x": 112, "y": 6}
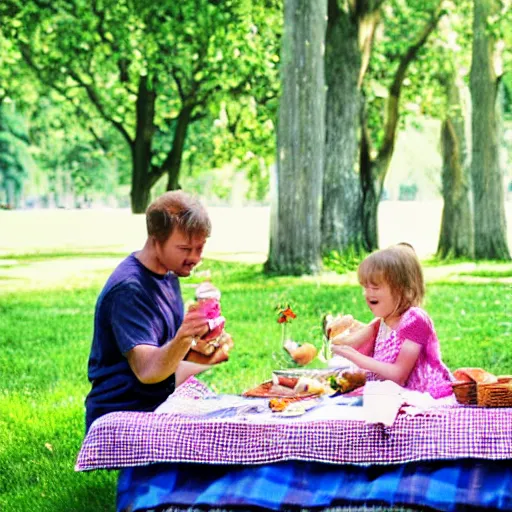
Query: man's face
{"x": 180, "y": 253}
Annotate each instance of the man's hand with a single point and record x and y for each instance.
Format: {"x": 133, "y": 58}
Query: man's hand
{"x": 220, "y": 355}
{"x": 195, "y": 325}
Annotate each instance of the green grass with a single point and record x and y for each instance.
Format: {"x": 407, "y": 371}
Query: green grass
{"x": 46, "y": 334}
{"x": 489, "y": 273}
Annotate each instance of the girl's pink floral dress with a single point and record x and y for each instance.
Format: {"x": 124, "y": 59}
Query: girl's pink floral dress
{"x": 429, "y": 374}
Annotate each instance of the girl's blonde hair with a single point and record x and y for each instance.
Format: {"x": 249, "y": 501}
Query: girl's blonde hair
{"x": 399, "y": 267}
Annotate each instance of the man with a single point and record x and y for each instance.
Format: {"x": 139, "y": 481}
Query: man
{"x": 141, "y": 334}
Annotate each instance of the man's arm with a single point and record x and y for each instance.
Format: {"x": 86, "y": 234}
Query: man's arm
{"x": 186, "y": 369}
{"x": 152, "y": 364}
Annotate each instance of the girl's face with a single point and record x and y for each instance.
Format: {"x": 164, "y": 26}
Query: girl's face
{"x": 380, "y": 299}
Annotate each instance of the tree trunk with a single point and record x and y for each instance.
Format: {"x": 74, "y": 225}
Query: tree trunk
{"x": 295, "y": 241}
{"x": 456, "y": 238}
{"x": 488, "y": 195}
{"x": 10, "y": 192}
{"x": 142, "y": 181}
{"x": 371, "y": 189}
{"x": 373, "y": 170}
{"x": 341, "y": 208}
{"x": 173, "y": 163}
{"x": 140, "y": 190}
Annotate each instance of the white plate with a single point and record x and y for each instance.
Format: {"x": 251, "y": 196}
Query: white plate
{"x": 312, "y": 373}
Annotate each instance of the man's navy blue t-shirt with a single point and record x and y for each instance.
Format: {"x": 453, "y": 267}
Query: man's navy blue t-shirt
{"x": 135, "y": 307}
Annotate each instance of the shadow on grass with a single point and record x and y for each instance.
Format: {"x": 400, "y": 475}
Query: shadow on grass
{"x": 43, "y": 256}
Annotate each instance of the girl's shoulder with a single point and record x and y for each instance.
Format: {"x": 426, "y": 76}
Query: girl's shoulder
{"x": 415, "y": 313}
{"x": 415, "y": 325}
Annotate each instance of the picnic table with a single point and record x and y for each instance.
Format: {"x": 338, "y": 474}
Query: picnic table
{"x": 448, "y": 458}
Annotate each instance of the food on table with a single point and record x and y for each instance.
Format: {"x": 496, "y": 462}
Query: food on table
{"x": 348, "y": 381}
{"x": 291, "y": 406}
{"x": 314, "y": 386}
{"x": 301, "y": 354}
{"x": 300, "y": 383}
{"x": 475, "y": 386}
{"x": 278, "y": 404}
{"x": 313, "y": 381}
{"x": 271, "y": 390}
{"x": 340, "y": 324}
{"x": 288, "y": 382}
{"x": 477, "y": 375}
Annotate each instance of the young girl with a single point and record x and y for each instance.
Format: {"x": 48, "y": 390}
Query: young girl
{"x": 406, "y": 348}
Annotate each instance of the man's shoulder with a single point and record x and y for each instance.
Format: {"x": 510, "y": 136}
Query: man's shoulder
{"x": 127, "y": 274}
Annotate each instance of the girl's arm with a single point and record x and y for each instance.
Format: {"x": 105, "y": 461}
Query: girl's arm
{"x": 398, "y": 371}
{"x": 358, "y": 338}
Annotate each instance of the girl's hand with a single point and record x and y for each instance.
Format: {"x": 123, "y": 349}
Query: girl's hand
{"x": 346, "y": 351}
{"x": 350, "y": 353}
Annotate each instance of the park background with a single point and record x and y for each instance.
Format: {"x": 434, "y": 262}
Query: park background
{"x": 105, "y": 105}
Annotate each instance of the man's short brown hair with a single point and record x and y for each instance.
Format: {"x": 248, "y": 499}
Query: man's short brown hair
{"x": 177, "y": 210}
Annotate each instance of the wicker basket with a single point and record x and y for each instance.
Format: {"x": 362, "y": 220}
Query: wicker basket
{"x": 465, "y": 392}
{"x": 495, "y": 395}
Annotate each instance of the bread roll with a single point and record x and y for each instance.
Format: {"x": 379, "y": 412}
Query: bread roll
{"x": 205, "y": 347}
{"x": 303, "y": 354}
{"x": 477, "y": 375}
{"x": 219, "y": 355}
{"x": 341, "y": 324}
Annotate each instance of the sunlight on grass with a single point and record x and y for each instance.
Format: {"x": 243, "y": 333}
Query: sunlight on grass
{"x": 47, "y": 299}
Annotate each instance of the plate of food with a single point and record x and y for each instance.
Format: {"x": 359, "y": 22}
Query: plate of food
{"x": 288, "y": 407}
{"x": 270, "y": 390}
{"x": 323, "y": 374}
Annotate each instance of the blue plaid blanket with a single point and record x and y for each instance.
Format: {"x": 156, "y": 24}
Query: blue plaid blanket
{"x": 451, "y": 486}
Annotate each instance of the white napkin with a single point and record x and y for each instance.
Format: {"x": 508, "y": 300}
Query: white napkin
{"x": 382, "y": 401}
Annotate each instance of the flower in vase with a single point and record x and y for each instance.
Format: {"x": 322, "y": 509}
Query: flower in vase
{"x": 285, "y": 315}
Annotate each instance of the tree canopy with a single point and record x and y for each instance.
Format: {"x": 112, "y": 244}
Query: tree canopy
{"x": 149, "y": 70}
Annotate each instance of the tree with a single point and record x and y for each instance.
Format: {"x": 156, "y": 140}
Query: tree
{"x": 456, "y": 238}
{"x": 295, "y": 220}
{"x": 359, "y": 121}
{"x": 487, "y": 175}
{"x": 149, "y": 70}
{"x": 373, "y": 169}
{"x": 78, "y": 163}
{"x": 15, "y": 160}
{"x": 349, "y": 38}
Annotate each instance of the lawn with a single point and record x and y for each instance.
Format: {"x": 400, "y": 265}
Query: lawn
{"x": 46, "y": 310}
